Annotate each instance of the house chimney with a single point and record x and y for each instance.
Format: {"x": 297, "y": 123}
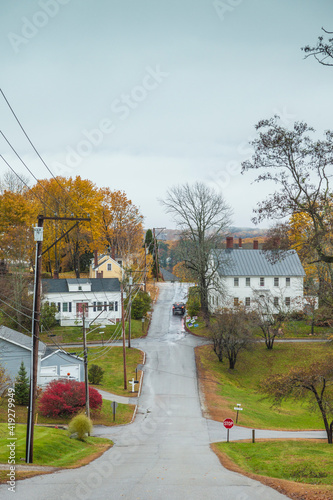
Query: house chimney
{"x": 240, "y": 243}
{"x": 95, "y": 258}
{"x": 255, "y": 244}
{"x": 230, "y": 242}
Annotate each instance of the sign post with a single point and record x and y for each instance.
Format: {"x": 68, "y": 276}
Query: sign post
{"x": 228, "y": 424}
{"x": 238, "y": 409}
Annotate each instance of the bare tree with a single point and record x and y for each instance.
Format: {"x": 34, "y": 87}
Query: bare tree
{"x": 12, "y": 182}
{"x": 203, "y": 216}
{"x": 269, "y": 317}
{"x": 312, "y": 382}
{"x": 232, "y": 333}
{"x": 323, "y": 51}
{"x": 300, "y": 166}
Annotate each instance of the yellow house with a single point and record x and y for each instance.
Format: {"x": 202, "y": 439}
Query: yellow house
{"x": 104, "y": 266}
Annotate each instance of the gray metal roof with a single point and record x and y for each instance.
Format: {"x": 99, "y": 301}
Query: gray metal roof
{"x": 19, "y": 339}
{"x": 167, "y": 276}
{"x": 243, "y": 262}
{"x": 97, "y": 284}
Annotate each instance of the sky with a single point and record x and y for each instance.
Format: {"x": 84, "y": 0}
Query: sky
{"x": 142, "y": 95}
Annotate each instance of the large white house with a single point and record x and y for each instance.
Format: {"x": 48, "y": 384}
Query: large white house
{"x": 99, "y": 297}
{"x": 246, "y": 275}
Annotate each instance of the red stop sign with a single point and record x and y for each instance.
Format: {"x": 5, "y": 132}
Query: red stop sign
{"x": 228, "y": 423}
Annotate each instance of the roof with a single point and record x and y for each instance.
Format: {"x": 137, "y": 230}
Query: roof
{"x": 19, "y": 339}
{"x": 97, "y": 284}
{"x": 242, "y": 262}
{"x": 51, "y": 352}
{"x": 167, "y": 276}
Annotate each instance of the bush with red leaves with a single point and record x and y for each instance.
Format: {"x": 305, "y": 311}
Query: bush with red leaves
{"x": 67, "y": 397}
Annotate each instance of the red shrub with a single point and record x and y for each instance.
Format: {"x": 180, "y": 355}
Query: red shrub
{"x": 67, "y": 397}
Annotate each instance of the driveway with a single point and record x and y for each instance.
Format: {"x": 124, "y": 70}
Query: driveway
{"x": 165, "y": 453}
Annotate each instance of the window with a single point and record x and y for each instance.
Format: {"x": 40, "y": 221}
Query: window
{"x": 288, "y": 281}
{"x": 79, "y": 287}
{"x": 94, "y": 308}
{"x": 64, "y": 307}
{"x": 262, "y": 281}
{"x": 287, "y": 301}
{"x": 247, "y": 301}
{"x": 116, "y": 305}
{"x": 69, "y": 307}
{"x": 236, "y": 281}
{"x": 109, "y": 267}
{"x": 105, "y": 306}
{"x": 276, "y": 301}
{"x": 247, "y": 281}
{"x": 217, "y": 301}
{"x": 59, "y": 307}
{"x": 99, "y": 306}
{"x": 276, "y": 281}
{"x": 111, "y": 306}
{"x": 236, "y": 301}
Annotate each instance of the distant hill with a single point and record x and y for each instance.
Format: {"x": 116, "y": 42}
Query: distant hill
{"x": 236, "y": 232}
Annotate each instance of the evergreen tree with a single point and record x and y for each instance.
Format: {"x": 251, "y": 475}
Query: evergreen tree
{"x": 22, "y": 385}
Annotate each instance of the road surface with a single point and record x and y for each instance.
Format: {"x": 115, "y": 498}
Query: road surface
{"x": 165, "y": 453}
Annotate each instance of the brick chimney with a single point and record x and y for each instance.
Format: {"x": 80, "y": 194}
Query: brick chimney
{"x": 255, "y": 244}
{"x": 240, "y": 243}
{"x": 230, "y": 242}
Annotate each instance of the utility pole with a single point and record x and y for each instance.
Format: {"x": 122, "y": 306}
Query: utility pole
{"x": 123, "y": 328}
{"x": 35, "y": 340}
{"x": 130, "y": 281}
{"x": 156, "y": 254}
{"x": 85, "y": 357}
{"x": 35, "y": 326}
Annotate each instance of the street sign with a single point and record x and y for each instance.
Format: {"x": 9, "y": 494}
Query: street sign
{"x": 228, "y": 423}
{"x": 237, "y": 408}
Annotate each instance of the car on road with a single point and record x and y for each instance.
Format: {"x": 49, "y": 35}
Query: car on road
{"x": 178, "y": 308}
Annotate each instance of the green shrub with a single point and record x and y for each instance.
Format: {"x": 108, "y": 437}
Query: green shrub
{"x": 80, "y": 425}
{"x": 95, "y": 374}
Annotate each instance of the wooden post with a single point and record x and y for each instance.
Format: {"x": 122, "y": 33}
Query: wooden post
{"x": 253, "y": 436}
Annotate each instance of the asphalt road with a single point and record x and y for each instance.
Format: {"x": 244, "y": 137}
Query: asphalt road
{"x": 165, "y": 453}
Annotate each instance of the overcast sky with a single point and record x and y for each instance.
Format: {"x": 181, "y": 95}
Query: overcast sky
{"x": 141, "y": 95}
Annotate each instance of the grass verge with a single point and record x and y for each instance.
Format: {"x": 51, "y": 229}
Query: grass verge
{"x": 53, "y": 447}
{"x": 224, "y": 388}
{"x": 298, "y": 468}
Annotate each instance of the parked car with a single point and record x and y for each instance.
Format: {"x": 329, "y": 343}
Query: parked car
{"x": 178, "y": 308}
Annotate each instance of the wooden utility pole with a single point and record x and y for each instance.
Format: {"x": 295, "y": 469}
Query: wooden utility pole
{"x": 123, "y": 328}
{"x": 130, "y": 310}
{"x": 35, "y": 327}
{"x": 35, "y": 340}
{"x": 85, "y": 358}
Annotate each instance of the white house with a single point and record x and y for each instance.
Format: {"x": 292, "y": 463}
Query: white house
{"x": 99, "y": 297}
{"x": 247, "y": 274}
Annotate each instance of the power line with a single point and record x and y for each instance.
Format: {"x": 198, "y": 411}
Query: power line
{"x": 35, "y": 149}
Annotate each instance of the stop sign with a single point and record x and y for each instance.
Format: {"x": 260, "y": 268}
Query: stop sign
{"x": 228, "y": 423}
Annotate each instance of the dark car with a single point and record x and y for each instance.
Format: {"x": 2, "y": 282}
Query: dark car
{"x": 178, "y": 308}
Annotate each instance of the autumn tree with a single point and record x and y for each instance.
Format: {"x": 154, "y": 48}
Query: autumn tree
{"x": 22, "y": 386}
{"x": 313, "y": 383}
{"x": 203, "y": 216}
{"x": 120, "y": 224}
{"x": 232, "y": 333}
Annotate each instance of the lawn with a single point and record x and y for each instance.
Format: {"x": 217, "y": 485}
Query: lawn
{"x": 111, "y": 360}
{"x": 52, "y": 447}
{"x": 307, "y": 462}
{"x": 291, "y": 329}
{"x": 124, "y": 415}
{"x": 225, "y": 388}
{"x": 73, "y": 334}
